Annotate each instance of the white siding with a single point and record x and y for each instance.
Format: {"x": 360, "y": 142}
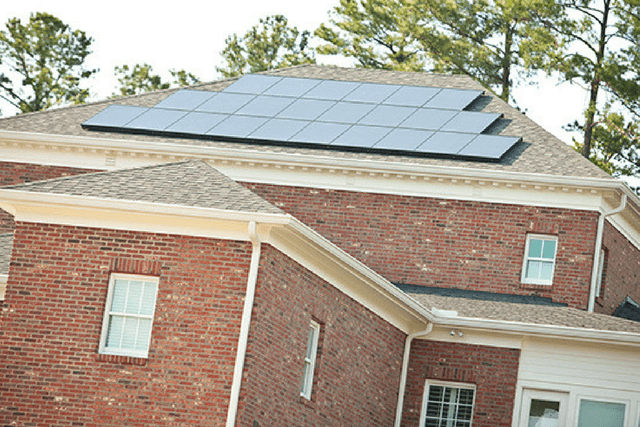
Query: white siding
{"x": 582, "y": 370}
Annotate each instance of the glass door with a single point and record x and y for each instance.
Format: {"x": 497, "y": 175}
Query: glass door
{"x": 543, "y": 408}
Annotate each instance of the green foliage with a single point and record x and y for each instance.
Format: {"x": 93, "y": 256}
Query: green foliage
{"x": 497, "y": 42}
{"x": 268, "y": 45}
{"x": 140, "y": 79}
{"x": 43, "y": 63}
{"x": 604, "y": 56}
{"x": 615, "y": 144}
{"x": 376, "y": 33}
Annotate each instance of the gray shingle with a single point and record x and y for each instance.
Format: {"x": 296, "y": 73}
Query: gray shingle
{"x": 188, "y": 183}
{"x": 540, "y": 152}
{"x": 527, "y": 313}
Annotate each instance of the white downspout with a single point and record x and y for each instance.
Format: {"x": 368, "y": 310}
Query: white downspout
{"x": 405, "y": 368}
{"x": 596, "y": 254}
{"x": 244, "y": 326}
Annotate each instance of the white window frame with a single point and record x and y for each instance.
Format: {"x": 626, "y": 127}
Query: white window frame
{"x": 526, "y": 260}
{"x": 460, "y": 386}
{"x": 310, "y": 360}
{"x": 108, "y": 313}
{"x": 528, "y": 395}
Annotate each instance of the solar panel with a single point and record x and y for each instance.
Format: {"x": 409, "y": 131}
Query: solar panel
{"x": 115, "y": 116}
{"x": 412, "y": 120}
{"x": 185, "y": 99}
{"x": 411, "y": 96}
{"x": 428, "y": 118}
{"x": 253, "y": 84}
{"x": 197, "y": 123}
{"x": 403, "y": 139}
{"x": 278, "y": 129}
{"x": 387, "y": 115}
{"x": 361, "y": 136}
{"x": 237, "y": 126}
{"x": 331, "y": 90}
{"x": 470, "y": 122}
{"x": 292, "y": 87}
{"x": 453, "y": 99}
{"x": 306, "y": 109}
{"x": 320, "y": 133}
{"x": 446, "y": 143}
{"x": 225, "y": 103}
{"x": 489, "y": 146}
{"x": 265, "y": 106}
{"x": 371, "y": 93}
{"x": 155, "y": 119}
{"x": 346, "y": 112}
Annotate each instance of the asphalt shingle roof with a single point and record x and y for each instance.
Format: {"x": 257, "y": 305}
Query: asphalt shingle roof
{"x": 540, "y": 152}
{"x": 188, "y": 183}
{"x": 527, "y": 313}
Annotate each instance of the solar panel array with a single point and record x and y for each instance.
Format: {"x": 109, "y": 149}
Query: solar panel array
{"x": 317, "y": 113}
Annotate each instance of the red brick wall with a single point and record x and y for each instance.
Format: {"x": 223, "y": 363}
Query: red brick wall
{"x": 436, "y": 242}
{"x": 494, "y": 371}
{"x": 49, "y": 333}
{"x": 621, "y": 272}
{"x": 359, "y": 361}
{"x": 18, "y": 173}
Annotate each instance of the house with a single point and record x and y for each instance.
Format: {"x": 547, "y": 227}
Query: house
{"x": 313, "y": 246}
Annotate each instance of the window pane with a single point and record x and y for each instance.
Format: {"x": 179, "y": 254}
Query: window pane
{"x": 533, "y": 269}
{"x": 549, "y": 249}
{"x": 129, "y": 333}
{"x": 115, "y": 331}
{"x": 546, "y": 271}
{"x": 535, "y": 248}
{"x": 544, "y": 413}
{"x": 144, "y": 332}
{"x": 435, "y": 392}
{"x": 133, "y": 299}
{"x": 598, "y": 414}
{"x": 148, "y": 299}
{"x": 119, "y": 300}
{"x": 312, "y": 333}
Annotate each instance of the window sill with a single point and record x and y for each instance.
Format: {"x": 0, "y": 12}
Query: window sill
{"x": 306, "y": 402}
{"x": 121, "y": 360}
{"x": 541, "y": 286}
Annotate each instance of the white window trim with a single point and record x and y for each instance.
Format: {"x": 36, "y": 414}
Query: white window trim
{"x": 425, "y": 397}
{"x": 307, "y": 378}
{"x": 107, "y": 312}
{"x": 526, "y": 258}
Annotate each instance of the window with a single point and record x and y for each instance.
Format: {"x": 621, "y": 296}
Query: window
{"x": 310, "y": 359}
{"x": 447, "y": 405}
{"x": 126, "y": 328}
{"x": 539, "y": 260}
{"x": 601, "y": 261}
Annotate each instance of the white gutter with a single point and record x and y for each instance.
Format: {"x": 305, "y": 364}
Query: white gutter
{"x": 244, "y": 326}
{"x": 596, "y": 253}
{"x": 405, "y": 368}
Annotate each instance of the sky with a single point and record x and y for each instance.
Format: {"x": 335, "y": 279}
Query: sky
{"x": 191, "y": 34}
